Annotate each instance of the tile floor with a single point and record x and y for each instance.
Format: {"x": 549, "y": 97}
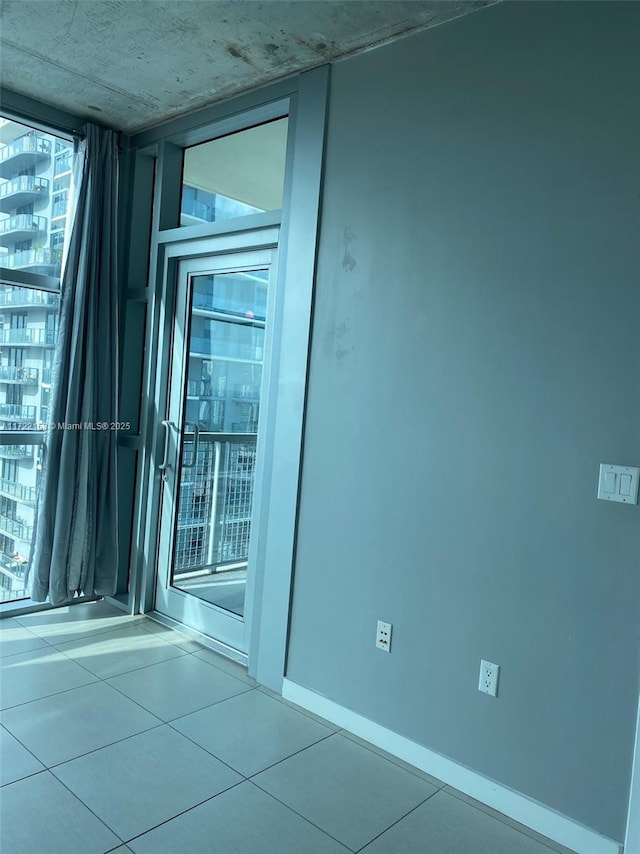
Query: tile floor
{"x": 117, "y": 730}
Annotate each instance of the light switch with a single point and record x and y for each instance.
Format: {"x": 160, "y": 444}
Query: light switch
{"x": 618, "y": 483}
{"x": 625, "y": 484}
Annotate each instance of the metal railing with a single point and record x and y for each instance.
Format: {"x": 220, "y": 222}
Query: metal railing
{"x": 16, "y": 412}
{"x": 252, "y": 351}
{"x": 16, "y": 528}
{"x": 25, "y": 184}
{"x": 23, "y": 222}
{"x": 14, "y": 594}
{"x": 198, "y": 210}
{"x": 12, "y": 374}
{"x": 28, "y": 336}
{"x": 19, "y": 491}
{"x": 17, "y": 568}
{"x": 34, "y": 258}
{"x": 31, "y": 143}
{"x": 215, "y": 500}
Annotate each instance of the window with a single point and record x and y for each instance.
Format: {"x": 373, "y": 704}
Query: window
{"x": 9, "y": 470}
{"x": 235, "y": 175}
{"x": 33, "y": 231}
{"x": 62, "y": 164}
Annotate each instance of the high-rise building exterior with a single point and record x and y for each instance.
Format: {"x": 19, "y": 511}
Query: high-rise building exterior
{"x": 35, "y": 179}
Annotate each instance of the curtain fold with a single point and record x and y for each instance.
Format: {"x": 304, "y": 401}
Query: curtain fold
{"x": 75, "y": 545}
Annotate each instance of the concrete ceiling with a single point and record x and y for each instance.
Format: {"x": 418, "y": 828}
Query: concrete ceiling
{"x": 134, "y": 63}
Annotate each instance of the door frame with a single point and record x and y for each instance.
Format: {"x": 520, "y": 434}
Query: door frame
{"x": 155, "y": 161}
{"x": 233, "y": 631}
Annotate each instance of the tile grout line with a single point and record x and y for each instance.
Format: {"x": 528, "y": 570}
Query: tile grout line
{"x": 285, "y": 758}
{"x": 394, "y": 760}
{"x": 133, "y": 669}
{"x": 295, "y": 812}
{"x": 102, "y": 747}
{"x": 44, "y": 767}
{"x": 54, "y": 694}
{"x": 393, "y": 824}
{"x": 73, "y": 795}
{"x": 98, "y": 679}
{"x": 184, "y": 812}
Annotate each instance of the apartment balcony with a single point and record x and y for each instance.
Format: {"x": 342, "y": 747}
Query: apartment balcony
{"x": 19, "y": 375}
{"x": 15, "y": 568}
{"x": 16, "y": 452}
{"x": 28, "y": 337}
{"x": 18, "y": 491}
{"x": 62, "y": 165}
{"x": 32, "y": 149}
{"x": 22, "y": 227}
{"x": 16, "y": 413}
{"x": 16, "y": 528}
{"x": 22, "y": 190}
{"x": 45, "y": 261}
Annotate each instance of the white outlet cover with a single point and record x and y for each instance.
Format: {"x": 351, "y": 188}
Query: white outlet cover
{"x": 383, "y": 636}
{"x": 489, "y": 676}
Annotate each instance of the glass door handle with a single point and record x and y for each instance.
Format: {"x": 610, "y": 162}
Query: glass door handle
{"x": 164, "y": 465}
{"x": 196, "y": 442}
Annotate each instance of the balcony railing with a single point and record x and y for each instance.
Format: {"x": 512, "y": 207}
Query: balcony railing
{"x": 16, "y": 452}
{"x": 17, "y": 568}
{"x": 198, "y": 210}
{"x": 16, "y": 528}
{"x": 21, "y": 227}
{"x": 30, "y": 259}
{"x": 23, "y": 152}
{"x": 16, "y": 412}
{"x": 216, "y": 495}
{"x": 22, "y": 376}
{"x": 234, "y": 350}
{"x": 18, "y": 491}
{"x": 35, "y": 337}
{"x": 21, "y": 191}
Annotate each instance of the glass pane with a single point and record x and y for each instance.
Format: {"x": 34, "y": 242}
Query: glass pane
{"x": 222, "y": 397}
{"x": 28, "y": 331}
{"x": 35, "y": 181}
{"x": 20, "y": 469}
{"x": 235, "y": 175}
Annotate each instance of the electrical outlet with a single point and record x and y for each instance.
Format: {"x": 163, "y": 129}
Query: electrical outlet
{"x": 489, "y": 674}
{"x": 383, "y": 636}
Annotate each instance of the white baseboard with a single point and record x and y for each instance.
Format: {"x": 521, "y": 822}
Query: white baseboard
{"x": 632, "y": 838}
{"x": 532, "y": 814}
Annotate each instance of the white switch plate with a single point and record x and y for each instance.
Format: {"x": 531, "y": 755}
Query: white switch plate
{"x": 618, "y": 483}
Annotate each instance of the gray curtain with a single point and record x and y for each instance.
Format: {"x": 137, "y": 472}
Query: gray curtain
{"x": 75, "y": 548}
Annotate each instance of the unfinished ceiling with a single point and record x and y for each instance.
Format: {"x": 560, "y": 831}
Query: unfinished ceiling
{"x": 135, "y": 63}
